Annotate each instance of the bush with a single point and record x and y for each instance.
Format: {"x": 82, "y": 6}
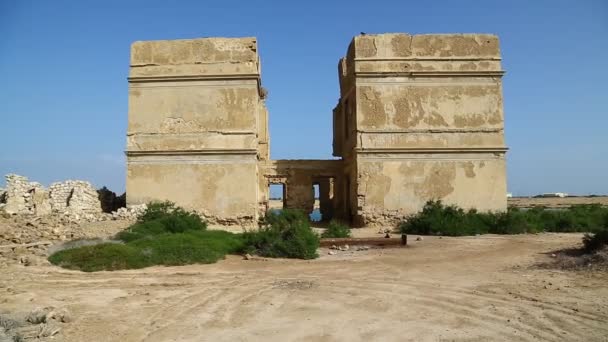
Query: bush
{"x": 168, "y": 210}
{"x": 283, "y": 235}
{"x": 160, "y": 218}
{"x": 597, "y": 241}
{"x": 336, "y": 230}
{"x": 594, "y": 242}
{"x": 164, "y": 235}
{"x": 203, "y": 247}
{"x": 439, "y": 219}
{"x": 106, "y": 256}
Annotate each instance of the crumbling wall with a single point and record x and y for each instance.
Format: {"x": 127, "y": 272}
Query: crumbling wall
{"x": 74, "y": 195}
{"x": 25, "y": 197}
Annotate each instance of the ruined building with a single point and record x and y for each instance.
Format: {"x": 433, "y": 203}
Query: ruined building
{"x": 419, "y": 117}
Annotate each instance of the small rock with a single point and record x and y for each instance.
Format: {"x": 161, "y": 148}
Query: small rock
{"x": 25, "y": 260}
{"x": 420, "y": 238}
{"x": 38, "y": 315}
{"x": 247, "y": 256}
{"x": 48, "y": 330}
{"x": 553, "y": 255}
{"x": 332, "y": 253}
{"x": 62, "y": 315}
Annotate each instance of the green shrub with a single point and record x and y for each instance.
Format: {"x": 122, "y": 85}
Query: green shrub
{"x": 190, "y": 247}
{"x": 202, "y": 247}
{"x": 284, "y": 217}
{"x": 164, "y": 235}
{"x": 439, "y": 219}
{"x": 106, "y": 256}
{"x": 160, "y": 218}
{"x": 336, "y": 230}
{"x": 594, "y": 242}
{"x": 168, "y": 210}
{"x": 283, "y": 235}
{"x": 156, "y": 210}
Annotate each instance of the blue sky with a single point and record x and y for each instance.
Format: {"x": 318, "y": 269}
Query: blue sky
{"x": 63, "y": 68}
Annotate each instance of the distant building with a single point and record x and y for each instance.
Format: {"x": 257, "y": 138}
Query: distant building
{"x": 554, "y": 194}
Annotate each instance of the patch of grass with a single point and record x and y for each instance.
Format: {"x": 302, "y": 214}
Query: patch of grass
{"x": 283, "y": 235}
{"x": 169, "y": 235}
{"x": 336, "y": 230}
{"x": 164, "y": 235}
{"x": 439, "y": 219}
{"x": 105, "y": 256}
{"x": 193, "y": 247}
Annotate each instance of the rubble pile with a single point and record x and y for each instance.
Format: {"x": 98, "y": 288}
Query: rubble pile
{"x": 34, "y": 218}
{"x": 41, "y": 324}
{"x": 130, "y": 213}
{"x": 26, "y": 239}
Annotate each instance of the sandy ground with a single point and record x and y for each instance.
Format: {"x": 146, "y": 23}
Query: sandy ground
{"x": 555, "y": 202}
{"x": 451, "y": 289}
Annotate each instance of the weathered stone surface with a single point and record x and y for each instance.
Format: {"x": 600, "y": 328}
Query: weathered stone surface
{"x": 420, "y": 117}
{"x": 197, "y": 126}
{"x": 74, "y": 195}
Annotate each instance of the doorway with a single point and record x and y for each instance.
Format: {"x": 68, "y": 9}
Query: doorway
{"x": 276, "y": 198}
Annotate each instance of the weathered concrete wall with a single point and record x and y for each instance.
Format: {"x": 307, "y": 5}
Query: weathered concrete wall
{"x": 427, "y": 123}
{"x": 397, "y": 186}
{"x": 197, "y": 126}
{"x": 419, "y": 118}
{"x": 222, "y": 192}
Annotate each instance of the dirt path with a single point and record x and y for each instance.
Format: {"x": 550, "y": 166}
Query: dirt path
{"x": 455, "y": 289}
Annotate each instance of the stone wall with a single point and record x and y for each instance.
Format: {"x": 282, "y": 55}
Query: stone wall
{"x": 25, "y": 197}
{"x": 420, "y": 118}
{"x": 197, "y": 126}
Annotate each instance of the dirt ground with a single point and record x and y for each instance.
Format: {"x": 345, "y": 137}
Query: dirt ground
{"x": 453, "y": 289}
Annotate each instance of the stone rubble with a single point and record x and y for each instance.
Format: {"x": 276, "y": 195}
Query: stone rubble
{"x": 24, "y": 197}
{"x": 41, "y": 324}
{"x": 74, "y": 201}
{"x": 33, "y": 219}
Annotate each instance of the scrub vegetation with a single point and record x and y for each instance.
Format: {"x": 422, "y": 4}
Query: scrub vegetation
{"x": 286, "y": 234}
{"x": 336, "y": 230}
{"x": 169, "y": 235}
{"x": 449, "y": 220}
